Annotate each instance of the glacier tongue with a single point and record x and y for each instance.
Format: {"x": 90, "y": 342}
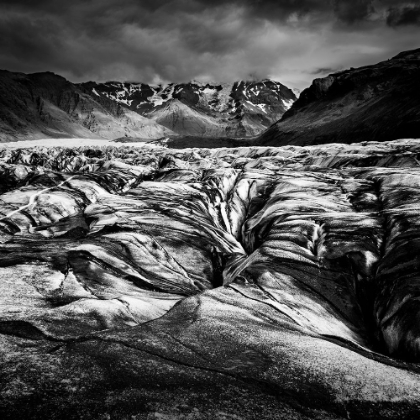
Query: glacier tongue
{"x": 287, "y": 276}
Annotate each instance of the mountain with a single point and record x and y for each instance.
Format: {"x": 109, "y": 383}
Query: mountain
{"x": 42, "y": 105}
{"x": 378, "y": 102}
{"x": 244, "y": 108}
{"x": 269, "y": 283}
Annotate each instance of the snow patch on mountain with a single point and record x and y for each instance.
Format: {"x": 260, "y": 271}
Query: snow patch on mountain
{"x": 262, "y": 107}
{"x": 288, "y": 103}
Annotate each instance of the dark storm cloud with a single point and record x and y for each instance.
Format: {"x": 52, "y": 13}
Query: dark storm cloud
{"x": 275, "y": 10}
{"x": 353, "y": 11}
{"x": 152, "y": 40}
{"x": 405, "y": 15}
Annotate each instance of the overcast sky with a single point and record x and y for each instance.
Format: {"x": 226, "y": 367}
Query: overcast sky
{"x": 292, "y": 41}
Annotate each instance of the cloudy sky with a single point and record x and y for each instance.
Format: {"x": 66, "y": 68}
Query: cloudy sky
{"x": 292, "y": 41}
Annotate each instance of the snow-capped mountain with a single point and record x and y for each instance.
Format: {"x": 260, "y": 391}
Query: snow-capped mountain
{"x": 244, "y": 108}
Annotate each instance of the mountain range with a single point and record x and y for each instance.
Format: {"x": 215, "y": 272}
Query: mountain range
{"x": 244, "y": 108}
{"x": 45, "y": 105}
{"x": 377, "y": 102}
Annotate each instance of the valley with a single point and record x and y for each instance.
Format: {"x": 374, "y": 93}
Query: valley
{"x": 190, "y": 251}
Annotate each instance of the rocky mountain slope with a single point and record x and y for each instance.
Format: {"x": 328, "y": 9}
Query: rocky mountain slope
{"x": 247, "y": 283}
{"x": 244, "y": 108}
{"x": 43, "y": 105}
{"x": 379, "y": 102}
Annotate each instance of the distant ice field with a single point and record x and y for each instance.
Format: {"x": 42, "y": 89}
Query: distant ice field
{"x": 71, "y": 142}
